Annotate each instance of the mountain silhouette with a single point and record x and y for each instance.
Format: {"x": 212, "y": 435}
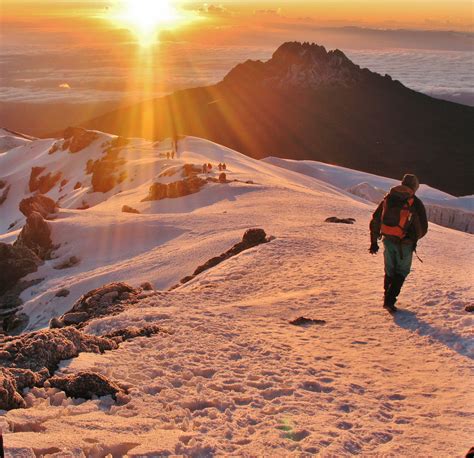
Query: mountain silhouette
{"x": 308, "y": 103}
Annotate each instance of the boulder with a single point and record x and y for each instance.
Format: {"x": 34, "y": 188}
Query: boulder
{"x": 147, "y": 286}
{"x": 10, "y": 397}
{"x": 222, "y": 178}
{"x": 251, "y": 238}
{"x": 68, "y": 263}
{"x": 44, "y": 350}
{"x": 469, "y": 308}
{"x": 77, "y": 138}
{"x": 187, "y": 186}
{"x": 335, "y": 219}
{"x": 39, "y": 203}
{"x": 4, "y": 194}
{"x": 64, "y": 292}
{"x": 36, "y": 235}
{"x": 42, "y": 183}
{"x": 15, "y": 263}
{"x": 133, "y": 332}
{"x": 85, "y": 385}
{"x": 128, "y": 209}
{"x": 109, "y": 299}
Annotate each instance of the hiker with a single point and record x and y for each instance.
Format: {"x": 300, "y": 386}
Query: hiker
{"x": 209, "y": 167}
{"x": 220, "y": 167}
{"x": 400, "y": 219}
{"x": 204, "y": 168}
{"x": 168, "y": 155}
{"x": 224, "y": 167}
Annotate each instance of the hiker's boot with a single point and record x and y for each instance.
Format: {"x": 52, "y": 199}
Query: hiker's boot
{"x": 393, "y": 292}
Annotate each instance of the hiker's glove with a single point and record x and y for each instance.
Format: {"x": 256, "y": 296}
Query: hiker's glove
{"x": 374, "y": 248}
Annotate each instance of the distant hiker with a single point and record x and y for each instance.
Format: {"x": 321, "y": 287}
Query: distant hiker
{"x": 209, "y": 167}
{"x": 220, "y": 167}
{"x": 401, "y": 220}
{"x": 224, "y": 167}
{"x": 204, "y": 168}
{"x": 172, "y": 154}
{"x": 168, "y": 155}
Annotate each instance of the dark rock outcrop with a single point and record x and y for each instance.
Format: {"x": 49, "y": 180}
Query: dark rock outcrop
{"x": 39, "y": 203}
{"x": 128, "y": 209}
{"x": 185, "y": 187}
{"x": 64, "y": 292}
{"x": 251, "y": 238}
{"x": 43, "y": 183}
{"x": 85, "y": 385}
{"x": 133, "y": 332}
{"x": 36, "y": 235}
{"x": 303, "y": 321}
{"x": 10, "y": 397}
{"x": 4, "y": 192}
{"x": 106, "y": 300}
{"x": 68, "y": 263}
{"x": 76, "y": 139}
{"x": 469, "y": 308}
{"x": 45, "y": 349}
{"x": 15, "y": 263}
{"x": 335, "y": 219}
{"x": 108, "y": 171}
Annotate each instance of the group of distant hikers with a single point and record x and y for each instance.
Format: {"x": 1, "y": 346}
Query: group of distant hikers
{"x": 400, "y": 221}
{"x": 207, "y": 168}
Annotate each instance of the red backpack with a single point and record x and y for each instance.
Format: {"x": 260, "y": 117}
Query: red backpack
{"x": 397, "y": 212}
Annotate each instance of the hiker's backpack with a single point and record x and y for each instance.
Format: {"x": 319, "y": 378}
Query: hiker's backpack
{"x": 397, "y": 212}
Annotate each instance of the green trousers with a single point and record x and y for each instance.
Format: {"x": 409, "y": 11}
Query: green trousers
{"x": 398, "y": 258}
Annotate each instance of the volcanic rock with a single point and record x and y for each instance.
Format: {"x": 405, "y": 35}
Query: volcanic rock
{"x": 16, "y": 262}
{"x": 39, "y": 203}
{"x": 36, "y": 235}
{"x": 85, "y": 385}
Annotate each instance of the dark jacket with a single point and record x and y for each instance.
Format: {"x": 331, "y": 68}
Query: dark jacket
{"x": 417, "y": 229}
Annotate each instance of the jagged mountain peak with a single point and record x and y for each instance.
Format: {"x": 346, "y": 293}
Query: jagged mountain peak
{"x": 302, "y": 65}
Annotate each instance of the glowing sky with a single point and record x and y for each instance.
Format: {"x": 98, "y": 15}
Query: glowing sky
{"x": 92, "y": 50}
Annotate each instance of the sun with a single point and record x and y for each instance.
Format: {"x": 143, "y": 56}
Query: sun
{"x": 146, "y": 17}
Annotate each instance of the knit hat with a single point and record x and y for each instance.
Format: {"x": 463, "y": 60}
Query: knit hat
{"x": 411, "y": 181}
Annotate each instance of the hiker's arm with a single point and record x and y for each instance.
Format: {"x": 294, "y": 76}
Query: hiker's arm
{"x": 375, "y": 224}
{"x": 422, "y": 228}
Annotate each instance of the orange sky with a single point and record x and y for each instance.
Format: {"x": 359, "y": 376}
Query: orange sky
{"x": 423, "y": 14}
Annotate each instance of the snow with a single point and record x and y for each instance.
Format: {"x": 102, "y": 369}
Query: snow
{"x": 233, "y": 377}
{"x": 442, "y": 208}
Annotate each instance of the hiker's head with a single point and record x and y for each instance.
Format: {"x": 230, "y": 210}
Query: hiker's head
{"x": 411, "y": 181}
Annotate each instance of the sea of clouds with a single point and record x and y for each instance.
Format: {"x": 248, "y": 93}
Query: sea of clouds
{"x": 43, "y": 74}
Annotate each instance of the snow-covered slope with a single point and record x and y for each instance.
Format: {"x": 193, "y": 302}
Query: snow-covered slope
{"x": 442, "y": 208}
{"x": 10, "y": 140}
{"x": 235, "y": 378}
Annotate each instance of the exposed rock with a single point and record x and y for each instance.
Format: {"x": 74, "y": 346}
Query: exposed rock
{"x": 187, "y": 186}
{"x": 4, "y": 193}
{"x": 132, "y": 332}
{"x": 78, "y": 185}
{"x": 10, "y": 397}
{"x": 469, "y": 308}
{"x": 42, "y": 183}
{"x": 15, "y": 323}
{"x": 10, "y": 304}
{"x": 107, "y": 300}
{"x": 36, "y": 235}
{"x": 147, "y": 286}
{"x": 107, "y": 172}
{"x": 3, "y": 184}
{"x": 15, "y": 262}
{"x": 47, "y": 348}
{"x": 39, "y": 203}
{"x": 302, "y": 321}
{"x": 222, "y": 178}
{"x": 68, "y": 263}
{"x": 63, "y": 183}
{"x": 85, "y": 385}
{"x": 127, "y": 209}
{"x": 251, "y": 238}
{"x": 78, "y": 138}
{"x": 335, "y": 219}
{"x": 62, "y": 293}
